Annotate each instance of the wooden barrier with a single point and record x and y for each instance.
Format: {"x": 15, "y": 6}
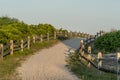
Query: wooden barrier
{"x": 118, "y": 56}
{"x": 118, "y": 65}
{"x": 21, "y": 45}
{"x": 41, "y": 38}
{"x": 28, "y": 42}
{"x": 81, "y": 43}
{"x": 11, "y": 47}
{"x": 89, "y": 58}
{"x": 1, "y": 52}
{"x": 89, "y": 49}
{"x": 99, "y": 60}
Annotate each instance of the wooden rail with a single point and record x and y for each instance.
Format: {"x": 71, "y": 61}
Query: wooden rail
{"x": 11, "y": 47}
{"x": 90, "y": 58}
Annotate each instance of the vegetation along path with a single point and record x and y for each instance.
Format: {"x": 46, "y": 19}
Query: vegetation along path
{"x": 49, "y": 64}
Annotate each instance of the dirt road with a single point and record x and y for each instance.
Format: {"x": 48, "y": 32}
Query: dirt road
{"x": 48, "y": 64}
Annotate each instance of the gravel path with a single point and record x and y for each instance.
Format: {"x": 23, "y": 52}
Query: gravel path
{"x": 47, "y": 64}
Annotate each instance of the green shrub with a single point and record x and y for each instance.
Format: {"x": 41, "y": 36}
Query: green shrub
{"x": 11, "y": 28}
{"x": 109, "y": 42}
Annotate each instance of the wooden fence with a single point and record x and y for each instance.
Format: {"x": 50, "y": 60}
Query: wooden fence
{"x": 85, "y": 52}
{"x": 11, "y": 47}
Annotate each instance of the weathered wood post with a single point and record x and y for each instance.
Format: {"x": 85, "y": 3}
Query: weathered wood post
{"x": 34, "y": 39}
{"x": 28, "y": 42}
{"x": 89, "y": 49}
{"x": 88, "y": 36}
{"x": 81, "y": 43}
{"x": 1, "y": 52}
{"x": 89, "y": 58}
{"x": 118, "y": 65}
{"x": 81, "y": 49}
{"x": 21, "y": 45}
{"x": 11, "y": 47}
{"x": 41, "y": 38}
{"x": 47, "y": 36}
{"x": 54, "y": 35}
{"x": 99, "y": 60}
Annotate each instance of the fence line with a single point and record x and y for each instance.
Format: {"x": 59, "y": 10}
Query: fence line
{"x": 11, "y": 47}
{"x": 90, "y": 58}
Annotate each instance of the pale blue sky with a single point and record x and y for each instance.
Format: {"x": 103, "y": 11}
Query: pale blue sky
{"x": 77, "y": 15}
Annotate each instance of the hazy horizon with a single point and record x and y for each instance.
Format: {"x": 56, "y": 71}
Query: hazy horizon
{"x": 77, "y": 15}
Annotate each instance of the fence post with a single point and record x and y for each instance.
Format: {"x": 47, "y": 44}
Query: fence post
{"x": 41, "y": 38}
{"x": 33, "y": 39}
{"x": 88, "y": 36}
{"x": 99, "y": 61}
{"x": 89, "y": 49}
{"x": 21, "y": 45}
{"x": 54, "y": 35}
{"x": 47, "y": 36}
{"x": 81, "y": 42}
{"x": 118, "y": 59}
{"x": 89, "y": 58}
{"x": 11, "y": 47}
{"x": 28, "y": 42}
{"x": 81, "y": 49}
{"x": 1, "y": 52}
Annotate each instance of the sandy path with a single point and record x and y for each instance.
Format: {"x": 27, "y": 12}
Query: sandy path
{"x": 48, "y": 64}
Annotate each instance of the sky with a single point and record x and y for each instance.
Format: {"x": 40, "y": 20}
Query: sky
{"x": 88, "y": 16}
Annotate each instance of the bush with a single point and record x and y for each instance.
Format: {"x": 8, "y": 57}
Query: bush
{"x": 109, "y": 42}
{"x": 11, "y": 28}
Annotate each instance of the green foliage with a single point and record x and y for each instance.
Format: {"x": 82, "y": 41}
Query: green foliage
{"x": 109, "y": 42}
{"x": 7, "y": 20}
{"x": 11, "y": 28}
{"x": 44, "y": 29}
{"x": 63, "y": 30}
